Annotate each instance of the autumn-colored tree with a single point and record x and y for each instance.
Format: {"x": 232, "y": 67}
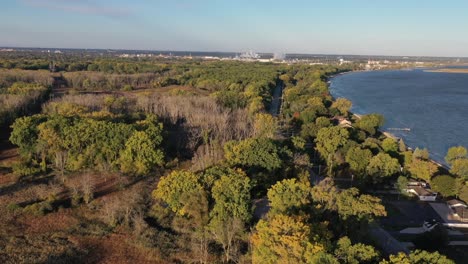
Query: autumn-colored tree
{"x": 284, "y": 239}
{"x": 265, "y": 125}
{"x": 422, "y": 169}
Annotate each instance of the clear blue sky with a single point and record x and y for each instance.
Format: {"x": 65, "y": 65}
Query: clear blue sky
{"x": 369, "y": 27}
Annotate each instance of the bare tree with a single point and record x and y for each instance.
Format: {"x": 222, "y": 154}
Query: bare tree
{"x": 87, "y": 187}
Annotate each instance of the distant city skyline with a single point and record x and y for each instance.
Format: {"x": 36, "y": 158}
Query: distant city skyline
{"x": 354, "y": 27}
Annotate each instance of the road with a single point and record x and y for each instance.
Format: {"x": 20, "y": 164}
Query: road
{"x": 277, "y": 98}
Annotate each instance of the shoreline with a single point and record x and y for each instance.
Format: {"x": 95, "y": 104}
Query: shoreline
{"x": 385, "y": 133}
{"x": 449, "y": 70}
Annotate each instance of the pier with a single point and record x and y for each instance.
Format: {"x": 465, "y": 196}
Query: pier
{"x": 399, "y": 129}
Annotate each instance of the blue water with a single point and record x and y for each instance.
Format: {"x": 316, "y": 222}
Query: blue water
{"x": 433, "y": 105}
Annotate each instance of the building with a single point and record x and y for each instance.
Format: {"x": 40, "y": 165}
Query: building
{"x": 414, "y": 183}
{"x": 459, "y": 209}
{"x": 423, "y": 194}
{"x": 250, "y": 55}
{"x": 342, "y": 121}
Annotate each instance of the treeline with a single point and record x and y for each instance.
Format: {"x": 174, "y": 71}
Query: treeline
{"x": 9, "y": 77}
{"x": 20, "y": 99}
{"x": 233, "y": 84}
{"x": 70, "y": 137}
{"x": 22, "y": 92}
{"x": 98, "y": 81}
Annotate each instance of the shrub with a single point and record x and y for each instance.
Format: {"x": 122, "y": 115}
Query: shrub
{"x": 23, "y": 169}
{"x": 38, "y": 209}
{"x": 13, "y": 207}
{"x": 127, "y": 87}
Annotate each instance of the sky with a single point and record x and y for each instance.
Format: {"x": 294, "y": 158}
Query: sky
{"x": 361, "y": 27}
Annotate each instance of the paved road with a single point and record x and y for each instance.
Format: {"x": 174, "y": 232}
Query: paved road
{"x": 386, "y": 241}
{"x": 276, "y": 102}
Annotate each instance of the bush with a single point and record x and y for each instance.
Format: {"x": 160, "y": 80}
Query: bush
{"x": 13, "y": 207}
{"x": 127, "y": 87}
{"x": 23, "y": 169}
{"x": 39, "y": 209}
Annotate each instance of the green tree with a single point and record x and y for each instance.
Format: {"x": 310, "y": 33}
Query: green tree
{"x": 51, "y": 141}
{"x": 139, "y": 155}
{"x": 390, "y": 146}
{"x": 328, "y": 140}
{"x": 256, "y": 152}
{"x": 355, "y": 254}
{"x": 460, "y": 168}
{"x": 444, "y": 184}
{"x": 25, "y": 134}
{"x": 343, "y": 105}
{"x": 382, "y": 165}
{"x": 463, "y": 192}
{"x": 298, "y": 143}
{"x": 455, "y": 153}
{"x": 401, "y": 145}
{"x": 358, "y": 159}
{"x": 350, "y": 203}
{"x": 322, "y": 122}
{"x": 418, "y": 257}
{"x": 421, "y": 154}
{"x": 176, "y": 189}
{"x": 152, "y": 128}
{"x": 370, "y": 123}
{"x": 231, "y": 194}
{"x": 231, "y": 210}
{"x": 402, "y": 184}
{"x": 289, "y": 195}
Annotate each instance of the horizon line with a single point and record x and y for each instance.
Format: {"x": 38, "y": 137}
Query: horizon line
{"x": 216, "y": 51}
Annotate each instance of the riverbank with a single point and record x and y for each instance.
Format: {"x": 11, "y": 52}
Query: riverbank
{"x": 450, "y": 70}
